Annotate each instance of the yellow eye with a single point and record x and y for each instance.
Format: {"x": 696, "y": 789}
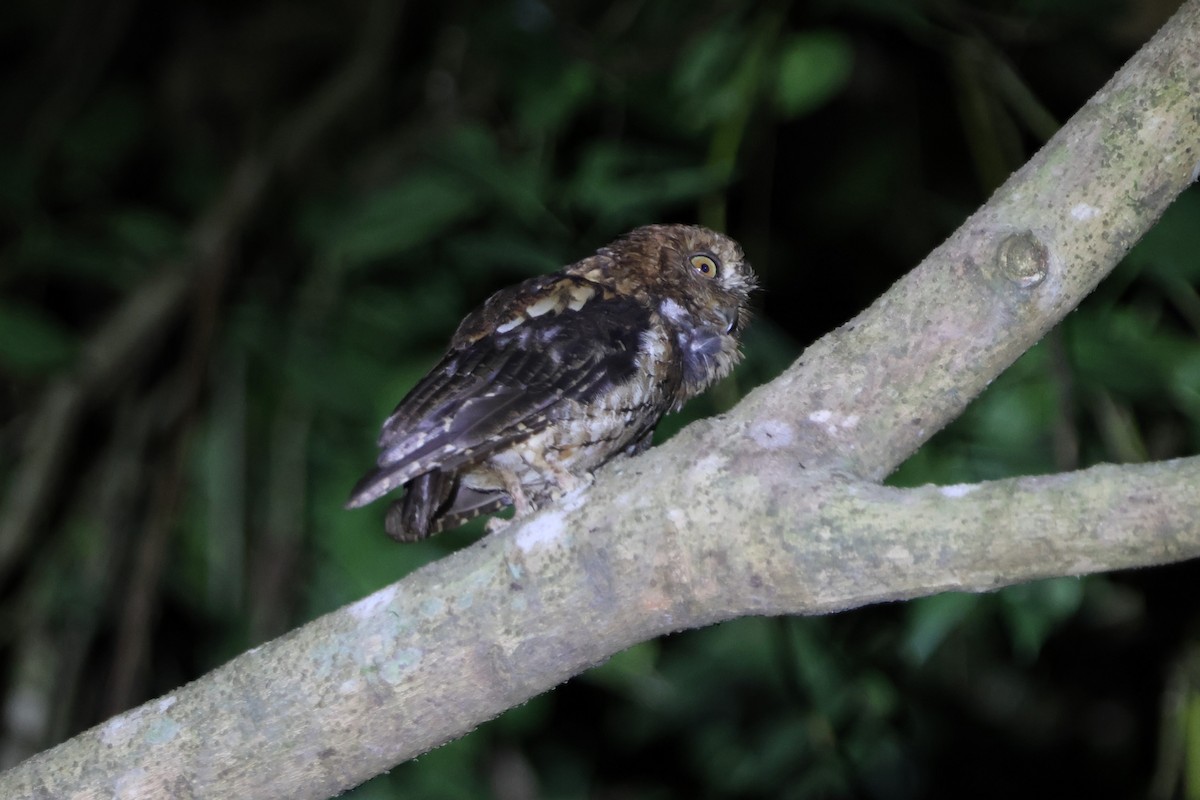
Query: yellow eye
{"x": 706, "y": 265}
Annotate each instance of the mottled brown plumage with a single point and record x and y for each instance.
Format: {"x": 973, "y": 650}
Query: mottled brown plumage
{"x": 555, "y": 376}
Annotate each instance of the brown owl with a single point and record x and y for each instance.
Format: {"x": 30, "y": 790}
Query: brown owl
{"x": 555, "y": 376}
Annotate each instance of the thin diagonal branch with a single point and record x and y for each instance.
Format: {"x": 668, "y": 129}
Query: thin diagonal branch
{"x": 864, "y": 398}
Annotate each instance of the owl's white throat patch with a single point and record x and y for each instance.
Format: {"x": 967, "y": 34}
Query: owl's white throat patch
{"x": 673, "y": 311}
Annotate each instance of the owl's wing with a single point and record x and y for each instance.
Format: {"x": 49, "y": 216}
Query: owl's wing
{"x": 511, "y": 369}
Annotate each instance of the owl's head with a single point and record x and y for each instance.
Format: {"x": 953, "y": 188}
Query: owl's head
{"x": 709, "y": 270}
{"x": 702, "y": 271}
{"x": 697, "y": 280}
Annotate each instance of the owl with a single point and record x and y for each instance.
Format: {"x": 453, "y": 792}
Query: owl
{"x": 553, "y": 377}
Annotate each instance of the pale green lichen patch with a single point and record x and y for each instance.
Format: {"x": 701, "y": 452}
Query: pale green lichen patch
{"x": 433, "y": 607}
{"x": 395, "y": 669}
{"x": 162, "y": 729}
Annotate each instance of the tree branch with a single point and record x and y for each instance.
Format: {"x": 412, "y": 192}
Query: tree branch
{"x": 456, "y": 643}
{"x": 779, "y": 514}
{"x": 865, "y": 397}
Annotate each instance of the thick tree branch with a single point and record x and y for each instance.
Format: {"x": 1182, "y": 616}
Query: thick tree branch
{"x": 865, "y": 397}
{"x": 456, "y": 643}
{"x": 778, "y": 514}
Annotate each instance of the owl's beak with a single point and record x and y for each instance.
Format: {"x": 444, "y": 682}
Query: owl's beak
{"x": 731, "y": 320}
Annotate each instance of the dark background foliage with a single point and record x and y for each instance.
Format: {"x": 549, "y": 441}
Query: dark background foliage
{"x": 233, "y": 234}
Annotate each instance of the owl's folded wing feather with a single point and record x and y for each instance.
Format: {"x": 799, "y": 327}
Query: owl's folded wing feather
{"x": 495, "y": 388}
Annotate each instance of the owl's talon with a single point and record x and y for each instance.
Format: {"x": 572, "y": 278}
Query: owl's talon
{"x": 496, "y": 524}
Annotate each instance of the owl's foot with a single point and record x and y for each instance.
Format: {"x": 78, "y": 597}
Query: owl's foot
{"x": 496, "y": 524}
{"x": 520, "y": 503}
{"x": 569, "y": 482}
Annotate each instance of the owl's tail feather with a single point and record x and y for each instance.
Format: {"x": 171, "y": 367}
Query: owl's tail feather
{"x": 434, "y": 502}
{"x": 414, "y": 516}
{"x": 377, "y": 483}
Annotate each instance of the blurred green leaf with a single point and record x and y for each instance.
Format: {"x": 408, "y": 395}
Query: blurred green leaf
{"x": 621, "y": 185}
{"x": 448, "y": 772}
{"x": 813, "y": 67}
{"x": 32, "y": 342}
{"x": 1125, "y": 350}
{"x": 930, "y": 620}
{"x": 631, "y": 672}
{"x": 145, "y": 233}
{"x": 723, "y": 76}
{"x": 526, "y": 719}
{"x": 515, "y": 184}
{"x": 355, "y": 556}
{"x": 1033, "y": 611}
{"x": 386, "y": 320}
{"x": 546, "y": 105}
{"x": 766, "y": 760}
{"x": 704, "y": 66}
{"x": 417, "y": 209}
{"x": 1172, "y": 246}
{"x": 743, "y": 647}
{"x": 1184, "y": 384}
{"x": 491, "y": 254}
{"x": 1017, "y": 418}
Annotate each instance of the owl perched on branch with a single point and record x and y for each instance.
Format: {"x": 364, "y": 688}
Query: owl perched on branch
{"x": 555, "y": 376}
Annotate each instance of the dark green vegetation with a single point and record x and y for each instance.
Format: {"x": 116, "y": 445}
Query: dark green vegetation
{"x": 234, "y": 234}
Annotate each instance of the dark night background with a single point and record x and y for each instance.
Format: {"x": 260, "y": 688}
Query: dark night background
{"x": 233, "y": 234}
